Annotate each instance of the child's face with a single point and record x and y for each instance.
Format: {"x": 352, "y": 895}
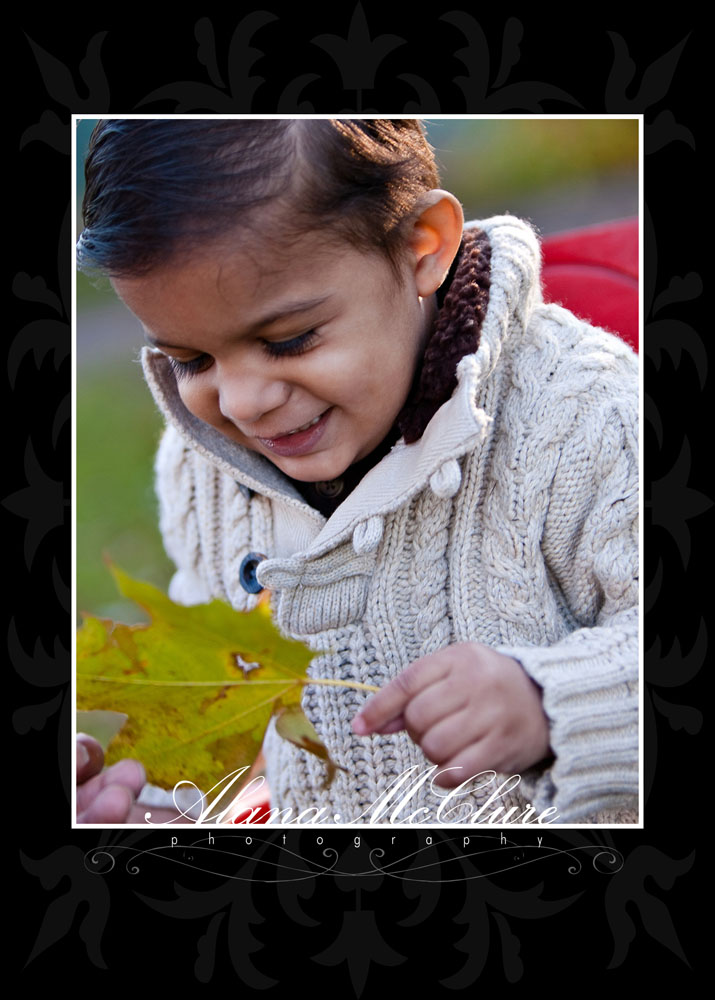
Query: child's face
{"x": 307, "y": 362}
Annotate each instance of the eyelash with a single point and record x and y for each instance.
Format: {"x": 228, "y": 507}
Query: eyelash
{"x": 274, "y": 349}
{"x": 185, "y": 369}
{"x": 291, "y": 348}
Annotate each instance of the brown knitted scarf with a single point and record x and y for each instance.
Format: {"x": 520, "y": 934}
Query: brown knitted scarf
{"x": 456, "y": 333}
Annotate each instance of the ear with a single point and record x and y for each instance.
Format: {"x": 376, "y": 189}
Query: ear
{"x": 434, "y": 239}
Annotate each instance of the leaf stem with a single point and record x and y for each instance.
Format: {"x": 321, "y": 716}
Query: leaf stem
{"x": 228, "y": 683}
{"x": 347, "y": 684}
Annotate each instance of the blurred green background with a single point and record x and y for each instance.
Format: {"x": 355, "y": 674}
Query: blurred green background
{"x": 558, "y": 173}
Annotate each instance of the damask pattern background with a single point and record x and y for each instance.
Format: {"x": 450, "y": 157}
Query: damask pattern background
{"x": 452, "y": 919}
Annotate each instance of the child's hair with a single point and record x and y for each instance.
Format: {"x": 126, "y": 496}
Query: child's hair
{"x": 158, "y": 186}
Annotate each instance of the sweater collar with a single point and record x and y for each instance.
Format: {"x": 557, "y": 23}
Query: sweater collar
{"x": 456, "y": 428}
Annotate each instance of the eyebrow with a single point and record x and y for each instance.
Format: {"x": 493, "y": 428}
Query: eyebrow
{"x": 289, "y": 309}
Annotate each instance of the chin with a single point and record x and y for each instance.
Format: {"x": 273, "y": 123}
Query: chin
{"x": 313, "y": 471}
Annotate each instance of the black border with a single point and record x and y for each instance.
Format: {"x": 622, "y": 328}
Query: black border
{"x": 338, "y": 930}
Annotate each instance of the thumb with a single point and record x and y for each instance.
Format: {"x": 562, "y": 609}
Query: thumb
{"x": 90, "y": 757}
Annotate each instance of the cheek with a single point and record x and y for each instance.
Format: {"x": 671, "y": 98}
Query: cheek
{"x": 366, "y": 390}
{"x": 378, "y": 391}
{"x": 201, "y": 401}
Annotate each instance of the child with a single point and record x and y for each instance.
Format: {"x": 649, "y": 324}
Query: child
{"x": 371, "y": 412}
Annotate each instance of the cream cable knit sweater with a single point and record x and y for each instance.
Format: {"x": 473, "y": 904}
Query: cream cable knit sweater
{"x": 512, "y": 521}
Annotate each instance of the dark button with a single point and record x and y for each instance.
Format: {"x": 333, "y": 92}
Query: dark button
{"x": 247, "y": 572}
{"x": 330, "y": 488}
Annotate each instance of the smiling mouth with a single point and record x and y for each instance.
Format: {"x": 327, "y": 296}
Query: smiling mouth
{"x": 296, "y": 430}
{"x": 299, "y": 440}
{"x": 303, "y": 427}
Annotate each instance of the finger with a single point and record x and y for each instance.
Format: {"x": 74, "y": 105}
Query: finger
{"x": 450, "y": 737}
{"x": 394, "y": 726}
{"x": 111, "y": 805}
{"x": 389, "y": 702}
{"x": 150, "y": 815}
{"x": 468, "y": 763}
{"x": 441, "y": 700}
{"x": 90, "y": 757}
{"x": 127, "y": 773}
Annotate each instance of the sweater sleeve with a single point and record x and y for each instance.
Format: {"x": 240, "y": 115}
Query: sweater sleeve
{"x": 589, "y": 678}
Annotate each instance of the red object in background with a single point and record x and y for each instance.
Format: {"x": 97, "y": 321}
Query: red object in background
{"x": 594, "y": 272}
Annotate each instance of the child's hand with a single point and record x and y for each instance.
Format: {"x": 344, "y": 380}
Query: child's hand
{"x": 105, "y": 796}
{"x": 468, "y": 707}
{"x": 110, "y": 796}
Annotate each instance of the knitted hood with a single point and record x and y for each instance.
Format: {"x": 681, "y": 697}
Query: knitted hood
{"x": 457, "y": 427}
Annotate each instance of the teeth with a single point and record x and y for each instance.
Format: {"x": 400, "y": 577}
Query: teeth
{"x": 304, "y": 427}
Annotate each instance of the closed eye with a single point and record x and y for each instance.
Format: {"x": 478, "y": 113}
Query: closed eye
{"x": 274, "y": 349}
{"x": 185, "y": 369}
{"x": 292, "y": 347}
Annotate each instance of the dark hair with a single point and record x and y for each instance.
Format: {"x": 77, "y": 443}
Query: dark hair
{"x": 157, "y": 186}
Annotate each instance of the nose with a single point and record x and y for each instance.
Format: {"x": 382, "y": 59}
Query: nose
{"x": 245, "y": 397}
